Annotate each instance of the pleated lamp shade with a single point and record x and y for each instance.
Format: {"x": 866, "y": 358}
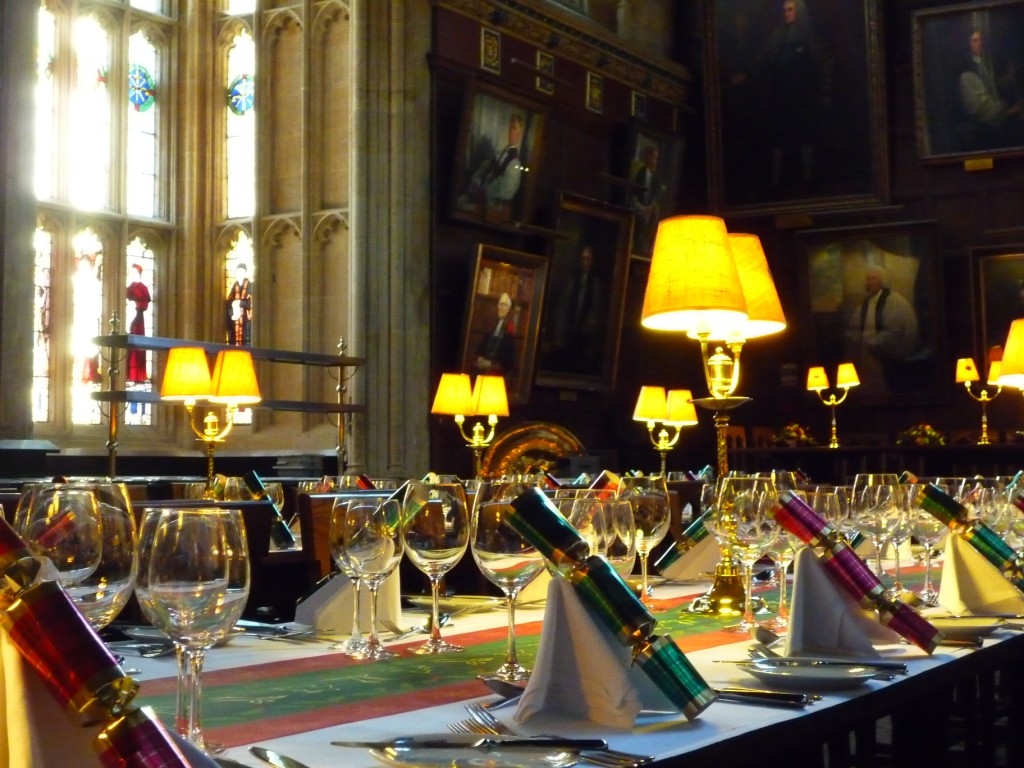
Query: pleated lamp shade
{"x": 1012, "y": 374}
{"x": 186, "y": 375}
{"x": 489, "y": 396}
{"x": 454, "y": 395}
{"x": 966, "y": 370}
{"x": 764, "y": 310}
{"x": 681, "y": 410}
{"x": 234, "y": 379}
{"x": 651, "y": 405}
{"x": 693, "y": 284}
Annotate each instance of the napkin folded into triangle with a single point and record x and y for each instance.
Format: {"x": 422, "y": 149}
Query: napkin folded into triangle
{"x": 582, "y": 670}
{"x": 697, "y": 562}
{"x": 971, "y": 584}
{"x": 329, "y": 609}
{"x": 824, "y": 620}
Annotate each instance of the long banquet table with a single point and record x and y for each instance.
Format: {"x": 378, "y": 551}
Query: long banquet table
{"x": 296, "y": 697}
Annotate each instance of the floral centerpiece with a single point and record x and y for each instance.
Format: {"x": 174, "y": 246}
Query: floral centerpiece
{"x": 794, "y": 435}
{"x": 920, "y": 434}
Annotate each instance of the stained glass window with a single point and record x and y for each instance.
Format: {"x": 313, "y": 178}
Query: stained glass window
{"x": 86, "y": 323}
{"x": 240, "y": 136}
{"x": 142, "y": 150}
{"x": 89, "y": 151}
{"x": 240, "y": 301}
{"x": 41, "y": 326}
{"x": 140, "y": 316}
{"x": 46, "y": 142}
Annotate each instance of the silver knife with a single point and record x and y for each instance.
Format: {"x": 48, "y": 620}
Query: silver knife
{"x": 276, "y": 758}
{"x": 476, "y": 741}
{"x": 765, "y": 698}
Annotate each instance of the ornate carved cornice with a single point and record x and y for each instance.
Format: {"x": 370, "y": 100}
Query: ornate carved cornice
{"x": 594, "y": 50}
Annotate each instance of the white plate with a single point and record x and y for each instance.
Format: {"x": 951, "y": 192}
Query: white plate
{"x": 470, "y": 758}
{"x": 806, "y": 674}
{"x": 459, "y": 603}
{"x": 965, "y": 627}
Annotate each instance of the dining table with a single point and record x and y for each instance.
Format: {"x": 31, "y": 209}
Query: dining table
{"x": 297, "y": 695}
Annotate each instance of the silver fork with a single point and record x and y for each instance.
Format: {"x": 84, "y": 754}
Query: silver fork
{"x": 595, "y": 758}
{"x": 605, "y": 757}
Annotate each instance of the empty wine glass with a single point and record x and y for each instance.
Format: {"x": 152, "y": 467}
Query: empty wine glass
{"x": 928, "y": 530}
{"x": 436, "y": 528}
{"x": 589, "y": 514}
{"x": 101, "y": 595}
{"x": 504, "y": 557}
{"x": 193, "y": 583}
{"x": 622, "y": 536}
{"x": 355, "y": 645}
{"x": 744, "y": 521}
{"x": 371, "y": 535}
{"x": 62, "y": 522}
{"x": 876, "y": 506}
{"x": 648, "y": 497}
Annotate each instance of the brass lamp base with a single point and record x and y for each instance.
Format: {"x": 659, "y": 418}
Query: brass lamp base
{"x": 725, "y": 598}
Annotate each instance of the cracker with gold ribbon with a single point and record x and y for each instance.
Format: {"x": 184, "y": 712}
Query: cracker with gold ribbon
{"x": 610, "y": 601}
{"x": 985, "y": 541}
{"x": 74, "y": 664}
{"x": 851, "y": 573}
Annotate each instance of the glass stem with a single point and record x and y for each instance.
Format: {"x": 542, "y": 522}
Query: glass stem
{"x": 748, "y": 594}
{"x": 435, "y": 611}
{"x": 879, "y": 544}
{"x": 195, "y": 720}
{"x": 183, "y": 713}
{"x": 374, "y": 641}
{"x": 780, "y": 571}
{"x": 927, "y": 572}
{"x": 357, "y": 632}
{"x": 896, "y": 568}
{"x": 511, "y": 659}
{"x": 643, "y": 578}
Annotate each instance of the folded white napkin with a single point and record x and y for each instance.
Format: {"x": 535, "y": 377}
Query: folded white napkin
{"x": 971, "y": 584}
{"x": 537, "y": 590}
{"x": 824, "y": 620}
{"x": 582, "y": 670}
{"x": 35, "y": 732}
{"x": 696, "y": 563}
{"x": 329, "y": 609}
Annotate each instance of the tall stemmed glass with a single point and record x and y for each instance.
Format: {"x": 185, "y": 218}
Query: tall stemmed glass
{"x": 193, "y": 583}
{"x": 743, "y": 519}
{"x": 102, "y": 594}
{"x": 876, "y": 506}
{"x": 928, "y": 530}
{"x": 590, "y": 515}
{"x": 62, "y": 522}
{"x": 436, "y": 520}
{"x": 648, "y": 497}
{"x": 371, "y": 534}
{"x": 505, "y": 558}
{"x": 355, "y": 645}
{"x": 621, "y": 552}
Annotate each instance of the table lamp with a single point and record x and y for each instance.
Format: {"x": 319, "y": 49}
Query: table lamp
{"x": 817, "y": 382}
{"x": 233, "y": 384}
{"x": 715, "y": 287}
{"x": 967, "y": 374}
{"x": 673, "y": 410}
{"x": 487, "y": 397}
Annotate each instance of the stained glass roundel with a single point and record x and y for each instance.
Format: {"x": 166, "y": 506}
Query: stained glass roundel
{"x": 141, "y": 89}
{"x": 241, "y": 93}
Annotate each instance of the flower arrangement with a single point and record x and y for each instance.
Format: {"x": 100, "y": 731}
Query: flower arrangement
{"x": 793, "y": 435}
{"x": 920, "y": 434}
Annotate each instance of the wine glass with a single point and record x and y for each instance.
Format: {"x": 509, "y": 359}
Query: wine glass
{"x": 589, "y": 515}
{"x": 193, "y": 583}
{"x": 355, "y": 645}
{"x": 101, "y": 595}
{"x": 621, "y": 552}
{"x": 436, "y": 528}
{"x": 504, "y": 557}
{"x": 928, "y": 530}
{"x": 648, "y": 497}
{"x": 743, "y": 520}
{"x": 876, "y": 505}
{"x": 370, "y": 533}
{"x": 62, "y": 522}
